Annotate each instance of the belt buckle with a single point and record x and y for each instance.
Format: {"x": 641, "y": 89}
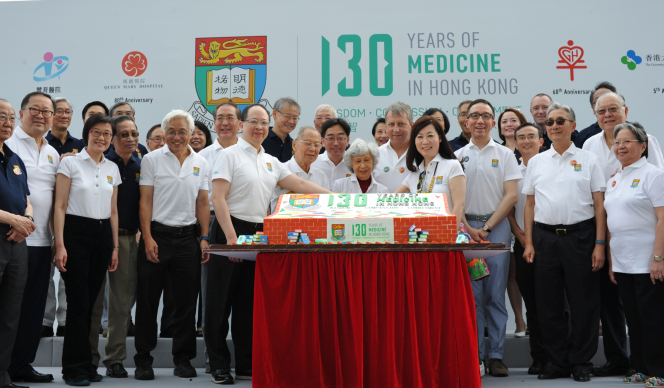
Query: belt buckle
{"x": 485, "y": 218}
{"x": 561, "y": 232}
{"x": 180, "y": 231}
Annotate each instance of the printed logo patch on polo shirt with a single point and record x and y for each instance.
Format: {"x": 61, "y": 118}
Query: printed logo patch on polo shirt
{"x": 494, "y": 163}
{"x": 75, "y": 150}
{"x": 613, "y": 184}
{"x": 139, "y": 154}
{"x": 269, "y": 166}
{"x": 196, "y": 171}
{"x": 402, "y": 169}
{"x": 50, "y": 159}
{"x": 17, "y": 170}
{"x": 577, "y": 167}
{"x": 138, "y": 177}
{"x": 439, "y": 180}
{"x": 635, "y": 182}
{"x": 109, "y": 179}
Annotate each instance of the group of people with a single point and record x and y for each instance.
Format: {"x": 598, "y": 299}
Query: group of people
{"x": 582, "y": 210}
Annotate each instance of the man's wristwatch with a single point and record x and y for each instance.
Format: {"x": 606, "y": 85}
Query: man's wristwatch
{"x": 657, "y": 258}
{"x": 30, "y": 218}
{"x": 206, "y": 238}
{"x": 486, "y": 229}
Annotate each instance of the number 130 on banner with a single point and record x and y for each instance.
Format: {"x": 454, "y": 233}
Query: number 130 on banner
{"x": 380, "y": 65}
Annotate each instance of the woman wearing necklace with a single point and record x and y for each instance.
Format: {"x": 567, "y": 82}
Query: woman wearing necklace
{"x": 433, "y": 166}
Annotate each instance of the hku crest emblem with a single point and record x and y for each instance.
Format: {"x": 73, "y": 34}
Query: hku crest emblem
{"x": 197, "y": 171}
{"x": 138, "y": 177}
{"x": 338, "y": 231}
{"x": 17, "y": 170}
{"x": 635, "y": 183}
{"x": 577, "y": 167}
{"x": 439, "y": 180}
{"x": 50, "y": 159}
{"x": 109, "y": 179}
{"x": 269, "y": 166}
{"x": 230, "y": 69}
{"x": 303, "y": 201}
{"x": 494, "y": 163}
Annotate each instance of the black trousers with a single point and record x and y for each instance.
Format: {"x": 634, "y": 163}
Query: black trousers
{"x": 612, "y": 316}
{"x": 179, "y": 263}
{"x": 32, "y": 311}
{"x": 644, "y": 310}
{"x": 230, "y": 287}
{"x": 168, "y": 311}
{"x": 89, "y": 245}
{"x": 525, "y": 279}
{"x": 13, "y": 276}
{"x": 564, "y": 263}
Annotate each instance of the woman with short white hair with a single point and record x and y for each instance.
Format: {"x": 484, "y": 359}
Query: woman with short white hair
{"x": 360, "y": 158}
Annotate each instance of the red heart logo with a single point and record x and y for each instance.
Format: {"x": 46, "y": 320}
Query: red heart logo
{"x": 571, "y": 55}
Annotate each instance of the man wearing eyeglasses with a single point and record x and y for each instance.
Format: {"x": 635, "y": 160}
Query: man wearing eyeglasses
{"x": 59, "y": 137}
{"x": 594, "y": 129}
{"x": 335, "y": 138}
{"x": 492, "y": 175}
{"x": 565, "y": 229}
{"x": 391, "y": 169}
{"x": 244, "y": 178}
{"x": 306, "y": 147}
{"x": 611, "y": 111}
{"x": 279, "y": 143}
{"x": 463, "y": 139}
{"x": 125, "y": 109}
{"x": 539, "y": 106}
{"x": 41, "y": 162}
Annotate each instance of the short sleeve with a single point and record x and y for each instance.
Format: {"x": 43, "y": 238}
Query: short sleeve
{"x": 65, "y": 168}
{"x": 205, "y": 177}
{"x": 528, "y": 188}
{"x": 224, "y": 165}
{"x": 597, "y": 181}
{"x": 455, "y": 169}
{"x": 512, "y": 170}
{"x": 283, "y": 171}
{"x": 147, "y": 171}
{"x": 655, "y": 189}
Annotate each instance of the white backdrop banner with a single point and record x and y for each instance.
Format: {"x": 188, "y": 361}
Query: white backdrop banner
{"x": 359, "y": 56}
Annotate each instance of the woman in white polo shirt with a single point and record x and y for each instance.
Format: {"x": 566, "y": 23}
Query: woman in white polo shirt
{"x": 433, "y": 166}
{"x": 361, "y": 159}
{"x": 86, "y": 240}
{"x": 635, "y": 217}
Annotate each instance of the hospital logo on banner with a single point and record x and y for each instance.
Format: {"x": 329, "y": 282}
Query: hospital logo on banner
{"x": 571, "y": 56}
{"x": 230, "y": 69}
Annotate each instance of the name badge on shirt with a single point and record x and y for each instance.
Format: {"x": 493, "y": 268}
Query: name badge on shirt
{"x": 439, "y": 180}
{"x": 17, "y": 170}
{"x": 109, "y": 179}
{"x": 269, "y": 166}
{"x": 196, "y": 171}
{"x": 50, "y": 159}
{"x": 494, "y": 163}
{"x": 635, "y": 183}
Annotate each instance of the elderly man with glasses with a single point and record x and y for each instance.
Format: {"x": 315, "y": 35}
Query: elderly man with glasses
{"x": 335, "y": 137}
{"x": 279, "y": 143}
{"x": 306, "y": 148}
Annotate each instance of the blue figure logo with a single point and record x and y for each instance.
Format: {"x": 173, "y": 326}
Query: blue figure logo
{"x": 631, "y": 60}
{"x": 61, "y": 64}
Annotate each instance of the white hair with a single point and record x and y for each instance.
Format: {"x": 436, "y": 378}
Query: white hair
{"x": 326, "y": 107}
{"x": 175, "y": 113}
{"x": 620, "y": 98}
{"x": 359, "y": 148}
{"x": 304, "y": 129}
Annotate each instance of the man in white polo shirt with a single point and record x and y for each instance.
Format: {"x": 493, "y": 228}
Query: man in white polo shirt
{"x": 611, "y": 111}
{"x": 41, "y": 162}
{"x": 492, "y": 174}
{"x": 565, "y": 229}
{"x": 306, "y": 146}
{"x": 226, "y": 124}
{"x": 244, "y": 177}
{"x": 335, "y": 137}
{"x": 391, "y": 169}
{"x": 174, "y": 198}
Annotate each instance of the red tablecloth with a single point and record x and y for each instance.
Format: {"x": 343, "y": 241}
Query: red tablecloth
{"x": 364, "y": 320}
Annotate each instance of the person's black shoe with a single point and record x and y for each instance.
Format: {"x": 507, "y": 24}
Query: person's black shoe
{"x": 95, "y": 377}
{"x": 551, "y": 373}
{"x": 117, "y": 371}
{"x": 46, "y": 331}
{"x": 243, "y": 375}
{"x": 207, "y": 368}
{"x": 60, "y": 332}
{"x": 12, "y": 385}
{"x": 222, "y": 376}
{"x": 611, "y": 369}
{"x": 537, "y": 367}
{"x": 581, "y": 375}
{"x": 78, "y": 381}
{"x": 34, "y": 377}
{"x": 144, "y": 372}
{"x": 185, "y": 370}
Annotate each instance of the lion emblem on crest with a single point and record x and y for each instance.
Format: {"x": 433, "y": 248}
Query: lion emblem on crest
{"x": 235, "y": 49}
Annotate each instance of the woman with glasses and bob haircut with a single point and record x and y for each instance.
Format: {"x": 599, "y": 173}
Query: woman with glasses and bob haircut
{"x": 86, "y": 240}
{"x": 433, "y": 166}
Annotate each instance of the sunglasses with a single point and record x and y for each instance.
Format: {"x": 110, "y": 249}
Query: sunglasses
{"x": 559, "y": 121}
